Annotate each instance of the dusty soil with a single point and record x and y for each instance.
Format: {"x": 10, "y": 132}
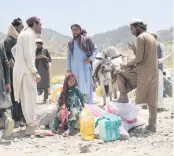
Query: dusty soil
{"x": 139, "y": 144}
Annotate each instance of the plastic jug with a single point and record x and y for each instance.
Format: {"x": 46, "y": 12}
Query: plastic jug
{"x": 107, "y": 127}
{"x": 87, "y": 124}
{"x": 99, "y": 91}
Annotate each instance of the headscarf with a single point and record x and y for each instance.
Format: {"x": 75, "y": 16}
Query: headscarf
{"x": 12, "y": 32}
{"x": 139, "y": 23}
{"x": 82, "y": 42}
{"x": 63, "y": 94}
{"x": 32, "y": 20}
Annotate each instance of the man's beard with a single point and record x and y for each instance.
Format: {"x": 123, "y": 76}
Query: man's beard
{"x": 75, "y": 37}
{"x": 138, "y": 32}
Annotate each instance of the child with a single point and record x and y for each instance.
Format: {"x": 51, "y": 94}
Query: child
{"x": 72, "y": 100}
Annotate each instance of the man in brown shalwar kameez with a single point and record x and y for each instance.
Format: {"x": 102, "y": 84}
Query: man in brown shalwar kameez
{"x": 146, "y": 62}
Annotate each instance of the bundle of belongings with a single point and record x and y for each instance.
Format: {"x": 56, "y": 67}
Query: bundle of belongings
{"x": 111, "y": 124}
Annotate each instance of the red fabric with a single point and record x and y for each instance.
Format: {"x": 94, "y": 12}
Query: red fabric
{"x": 63, "y": 115}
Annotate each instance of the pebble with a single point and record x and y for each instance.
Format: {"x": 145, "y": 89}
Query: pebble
{"x": 84, "y": 149}
{"x": 100, "y": 142}
{"x": 16, "y": 140}
{"x": 32, "y": 136}
{"x": 34, "y": 141}
{"x": 30, "y": 142}
{"x": 62, "y": 148}
{"x": 80, "y": 143}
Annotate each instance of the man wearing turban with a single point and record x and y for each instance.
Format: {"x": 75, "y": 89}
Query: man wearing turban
{"x": 146, "y": 62}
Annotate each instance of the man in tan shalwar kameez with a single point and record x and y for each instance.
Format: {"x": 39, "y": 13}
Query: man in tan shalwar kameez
{"x": 146, "y": 62}
{"x": 25, "y": 73}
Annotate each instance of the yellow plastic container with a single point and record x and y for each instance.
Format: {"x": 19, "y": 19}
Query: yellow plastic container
{"x": 53, "y": 96}
{"x": 87, "y": 125}
{"x": 99, "y": 91}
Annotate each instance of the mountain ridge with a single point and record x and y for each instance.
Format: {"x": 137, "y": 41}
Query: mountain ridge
{"x": 56, "y": 42}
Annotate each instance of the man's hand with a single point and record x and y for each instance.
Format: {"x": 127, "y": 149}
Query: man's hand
{"x": 11, "y": 63}
{"x": 37, "y": 77}
{"x": 87, "y": 61}
{"x": 7, "y": 88}
{"x": 132, "y": 46}
{"x": 41, "y": 57}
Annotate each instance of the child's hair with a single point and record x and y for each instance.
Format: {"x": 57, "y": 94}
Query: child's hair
{"x": 63, "y": 94}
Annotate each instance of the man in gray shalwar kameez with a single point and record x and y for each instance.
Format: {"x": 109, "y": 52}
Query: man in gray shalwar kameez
{"x": 42, "y": 64}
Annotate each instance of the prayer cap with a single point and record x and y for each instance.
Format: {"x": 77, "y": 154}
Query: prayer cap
{"x": 38, "y": 40}
{"x": 32, "y": 20}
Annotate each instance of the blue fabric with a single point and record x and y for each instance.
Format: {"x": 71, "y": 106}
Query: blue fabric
{"x": 82, "y": 71}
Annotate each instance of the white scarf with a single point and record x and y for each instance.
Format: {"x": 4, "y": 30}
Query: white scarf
{"x": 12, "y": 32}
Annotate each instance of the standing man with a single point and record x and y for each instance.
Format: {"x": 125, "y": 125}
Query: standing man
{"x": 81, "y": 51}
{"x": 26, "y": 75}
{"x": 43, "y": 59}
{"x": 5, "y": 102}
{"x": 146, "y": 62}
{"x": 10, "y": 41}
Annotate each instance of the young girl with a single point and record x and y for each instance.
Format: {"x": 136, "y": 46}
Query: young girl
{"x": 70, "y": 104}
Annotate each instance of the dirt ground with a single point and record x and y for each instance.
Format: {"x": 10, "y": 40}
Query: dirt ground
{"x": 139, "y": 144}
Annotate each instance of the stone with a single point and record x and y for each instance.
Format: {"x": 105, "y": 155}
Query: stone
{"x": 34, "y": 141}
{"x": 16, "y": 140}
{"x": 100, "y": 142}
{"x": 30, "y": 142}
{"x": 32, "y": 136}
{"x": 84, "y": 149}
{"x": 80, "y": 143}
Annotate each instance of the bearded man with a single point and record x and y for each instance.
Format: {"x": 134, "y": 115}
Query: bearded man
{"x": 146, "y": 62}
{"x": 25, "y": 73}
{"x": 81, "y": 52}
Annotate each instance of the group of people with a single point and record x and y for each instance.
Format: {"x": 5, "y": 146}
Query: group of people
{"x": 22, "y": 66}
{"x": 25, "y": 70}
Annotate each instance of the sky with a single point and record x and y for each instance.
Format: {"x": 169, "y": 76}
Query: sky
{"x": 95, "y": 16}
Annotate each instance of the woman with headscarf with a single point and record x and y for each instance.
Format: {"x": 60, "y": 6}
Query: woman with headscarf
{"x": 13, "y": 32}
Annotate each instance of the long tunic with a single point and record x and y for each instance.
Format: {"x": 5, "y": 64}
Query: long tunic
{"x": 24, "y": 60}
{"x": 75, "y": 100}
{"x": 4, "y": 79}
{"x": 42, "y": 66}
{"x": 82, "y": 71}
{"x": 146, "y": 62}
